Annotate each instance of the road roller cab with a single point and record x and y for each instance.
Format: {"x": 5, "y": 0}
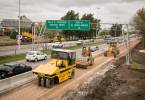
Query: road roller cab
{"x": 61, "y": 67}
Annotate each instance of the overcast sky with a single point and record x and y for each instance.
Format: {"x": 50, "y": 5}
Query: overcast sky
{"x": 39, "y": 10}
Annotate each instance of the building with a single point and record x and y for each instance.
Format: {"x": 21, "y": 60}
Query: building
{"x": 14, "y": 23}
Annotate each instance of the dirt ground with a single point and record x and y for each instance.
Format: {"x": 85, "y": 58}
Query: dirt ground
{"x": 120, "y": 83}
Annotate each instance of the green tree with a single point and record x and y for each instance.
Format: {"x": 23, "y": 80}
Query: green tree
{"x": 39, "y": 28}
{"x": 25, "y": 24}
{"x": 104, "y": 32}
{"x": 13, "y": 35}
{"x": 94, "y": 23}
{"x": 70, "y": 15}
{"x": 139, "y": 23}
{"x": 23, "y": 17}
{"x": 116, "y": 30}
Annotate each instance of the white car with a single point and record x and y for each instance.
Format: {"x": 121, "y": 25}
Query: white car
{"x": 57, "y": 45}
{"x": 35, "y": 56}
{"x": 79, "y": 42}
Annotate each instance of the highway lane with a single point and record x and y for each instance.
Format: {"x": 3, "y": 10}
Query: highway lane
{"x": 9, "y": 50}
{"x": 34, "y": 64}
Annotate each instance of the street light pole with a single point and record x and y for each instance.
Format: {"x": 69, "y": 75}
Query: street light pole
{"x": 97, "y": 21}
{"x": 19, "y": 23}
{"x": 128, "y": 49}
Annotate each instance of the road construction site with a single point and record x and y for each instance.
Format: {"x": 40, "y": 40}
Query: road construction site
{"x": 31, "y": 91}
{"x": 120, "y": 82}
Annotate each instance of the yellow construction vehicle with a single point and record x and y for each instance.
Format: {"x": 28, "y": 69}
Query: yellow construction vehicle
{"x": 61, "y": 67}
{"x": 85, "y": 59}
{"x": 27, "y": 36}
{"x": 112, "y": 50}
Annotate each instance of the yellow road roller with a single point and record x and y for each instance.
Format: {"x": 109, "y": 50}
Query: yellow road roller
{"x": 61, "y": 67}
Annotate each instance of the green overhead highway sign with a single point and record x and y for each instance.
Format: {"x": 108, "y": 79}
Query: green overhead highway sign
{"x": 56, "y": 24}
{"x": 68, "y": 24}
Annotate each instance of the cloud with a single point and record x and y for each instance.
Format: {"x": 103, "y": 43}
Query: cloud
{"x": 38, "y": 10}
{"x": 79, "y": 3}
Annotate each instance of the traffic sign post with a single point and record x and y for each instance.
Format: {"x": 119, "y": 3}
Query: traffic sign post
{"x": 19, "y": 36}
{"x": 18, "y": 42}
{"x": 68, "y": 25}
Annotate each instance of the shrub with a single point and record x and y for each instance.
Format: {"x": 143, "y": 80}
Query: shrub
{"x": 13, "y": 35}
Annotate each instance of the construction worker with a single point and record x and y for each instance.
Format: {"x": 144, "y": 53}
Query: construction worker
{"x": 89, "y": 54}
{"x": 84, "y": 52}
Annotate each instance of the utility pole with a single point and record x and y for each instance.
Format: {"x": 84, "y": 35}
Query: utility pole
{"x": 97, "y": 22}
{"x": 32, "y": 36}
{"x": 19, "y": 24}
{"x": 128, "y": 49}
{"x": 116, "y": 28}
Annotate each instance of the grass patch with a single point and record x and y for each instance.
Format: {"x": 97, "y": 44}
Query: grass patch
{"x": 136, "y": 65}
{"x": 7, "y": 41}
{"x": 80, "y": 46}
{"x": 47, "y": 52}
{"x": 11, "y": 58}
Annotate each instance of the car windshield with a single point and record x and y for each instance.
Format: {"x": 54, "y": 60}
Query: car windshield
{"x": 59, "y": 55}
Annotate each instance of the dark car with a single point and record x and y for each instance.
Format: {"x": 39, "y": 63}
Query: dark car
{"x": 8, "y": 70}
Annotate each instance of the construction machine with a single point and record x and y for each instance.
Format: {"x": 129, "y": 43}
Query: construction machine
{"x": 27, "y": 36}
{"x": 61, "y": 67}
{"x": 85, "y": 59}
{"x": 112, "y": 50}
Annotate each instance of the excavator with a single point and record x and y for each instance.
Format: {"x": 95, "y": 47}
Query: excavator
{"x": 112, "y": 50}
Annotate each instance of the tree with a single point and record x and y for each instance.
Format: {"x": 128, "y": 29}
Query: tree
{"x": 40, "y": 28}
{"x": 104, "y": 32}
{"x": 116, "y": 30}
{"x": 139, "y": 23}
{"x": 13, "y": 35}
{"x": 25, "y": 18}
{"x": 94, "y": 22}
{"x": 71, "y": 35}
{"x": 25, "y": 24}
{"x": 70, "y": 15}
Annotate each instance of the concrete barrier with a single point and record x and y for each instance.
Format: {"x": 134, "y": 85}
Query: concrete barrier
{"x": 15, "y": 81}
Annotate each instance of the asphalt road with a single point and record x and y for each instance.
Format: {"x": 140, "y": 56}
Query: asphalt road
{"x": 10, "y": 50}
{"x": 34, "y": 64}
